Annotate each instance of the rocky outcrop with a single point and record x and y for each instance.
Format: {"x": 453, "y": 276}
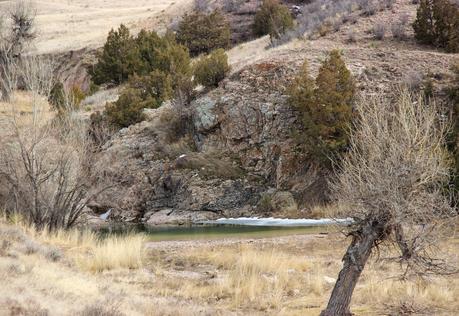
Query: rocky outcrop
{"x": 72, "y": 68}
{"x": 240, "y": 148}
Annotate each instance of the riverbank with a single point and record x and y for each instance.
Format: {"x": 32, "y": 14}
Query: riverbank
{"x": 74, "y": 274}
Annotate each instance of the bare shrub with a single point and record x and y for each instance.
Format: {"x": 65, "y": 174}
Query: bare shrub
{"x": 351, "y": 37}
{"x": 44, "y": 162}
{"x": 323, "y": 16}
{"x": 201, "y": 5}
{"x": 369, "y": 7}
{"x": 398, "y": 31}
{"x": 413, "y": 80}
{"x": 379, "y": 31}
{"x": 17, "y": 31}
{"x": 101, "y": 309}
{"x": 53, "y": 254}
{"x": 392, "y": 183}
{"x": 232, "y": 5}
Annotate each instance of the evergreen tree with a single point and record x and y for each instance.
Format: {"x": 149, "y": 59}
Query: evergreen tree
{"x": 118, "y": 60}
{"x": 203, "y": 33}
{"x": 212, "y": 69}
{"x": 273, "y": 18}
{"x": 437, "y": 24}
{"x": 334, "y": 95}
{"x": 142, "y": 92}
{"x": 325, "y": 105}
{"x": 57, "y": 97}
{"x": 424, "y": 24}
{"x": 127, "y": 110}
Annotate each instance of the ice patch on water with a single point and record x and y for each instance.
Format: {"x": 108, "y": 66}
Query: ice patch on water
{"x": 271, "y": 221}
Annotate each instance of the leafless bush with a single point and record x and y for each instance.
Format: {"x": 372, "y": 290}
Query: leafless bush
{"x": 369, "y": 7}
{"x": 53, "y": 254}
{"x": 392, "y": 183}
{"x": 326, "y": 15}
{"x": 201, "y": 5}
{"x": 16, "y": 33}
{"x": 379, "y": 31}
{"x": 413, "y": 80}
{"x": 43, "y": 162}
{"x": 398, "y": 31}
{"x": 351, "y": 36}
{"x": 100, "y": 309}
{"x": 232, "y": 5}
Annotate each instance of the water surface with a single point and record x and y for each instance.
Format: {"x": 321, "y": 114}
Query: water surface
{"x": 199, "y": 232}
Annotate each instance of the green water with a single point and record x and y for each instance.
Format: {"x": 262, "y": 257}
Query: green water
{"x": 213, "y": 231}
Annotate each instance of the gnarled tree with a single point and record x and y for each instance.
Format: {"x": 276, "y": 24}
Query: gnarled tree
{"x": 392, "y": 184}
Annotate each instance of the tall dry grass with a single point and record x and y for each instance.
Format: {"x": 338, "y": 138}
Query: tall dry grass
{"x": 115, "y": 253}
{"x": 87, "y": 249}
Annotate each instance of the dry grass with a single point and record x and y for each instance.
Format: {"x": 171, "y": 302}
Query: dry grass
{"x": 281, "y": 276}
{"x": 89, "y": 251}
{"x": 70, "y": 25}
{"x": 21, "y": 110}
{"x": 115, "y": 253}
{"x": 295, "y": 278}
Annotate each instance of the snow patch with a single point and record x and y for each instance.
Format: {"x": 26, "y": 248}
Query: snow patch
{"x": 271, "y": 221}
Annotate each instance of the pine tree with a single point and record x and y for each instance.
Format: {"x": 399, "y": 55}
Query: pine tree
{"x": 437, "y": 24}
{"x": 118, "y": 60}
{"x": 326, "y": 106}
{"x": 273, "y": 18}
{"x": 424, "y": 24}
{"x": 57, "y": 97}
{"x": 142, "y": 92}
{"x": 212, "y": 69}
{"x": 203, "y": 33}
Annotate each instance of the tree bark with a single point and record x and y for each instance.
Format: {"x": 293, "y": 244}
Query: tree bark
{"x": 354, "y": 260}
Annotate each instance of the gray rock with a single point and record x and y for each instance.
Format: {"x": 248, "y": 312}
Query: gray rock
{"x": 242, "y": 145}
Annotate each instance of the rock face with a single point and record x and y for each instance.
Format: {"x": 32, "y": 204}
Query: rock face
{"x": 72, "y": 68}
{"x": 240, "y": 148}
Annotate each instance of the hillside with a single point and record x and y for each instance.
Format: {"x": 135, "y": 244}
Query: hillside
{"x": 72, "y": 25}
{"x": 242, "y": 154}
{"x": 161, "y": 174}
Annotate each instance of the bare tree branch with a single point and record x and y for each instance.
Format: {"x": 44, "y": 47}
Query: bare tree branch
{"x": 393, "y": 184}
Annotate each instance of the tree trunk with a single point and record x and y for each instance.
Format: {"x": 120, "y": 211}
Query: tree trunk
{"x": 354, "y": 261}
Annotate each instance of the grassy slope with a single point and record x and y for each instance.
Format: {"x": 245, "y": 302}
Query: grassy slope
{"x": 69, "y": 25}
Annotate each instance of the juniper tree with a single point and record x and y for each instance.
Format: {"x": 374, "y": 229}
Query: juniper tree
{"x": 326, "y": 106}
{"x": 273, "y": 19}
{"x": 204, "y": 32}
{"x": 118, "y": 59}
